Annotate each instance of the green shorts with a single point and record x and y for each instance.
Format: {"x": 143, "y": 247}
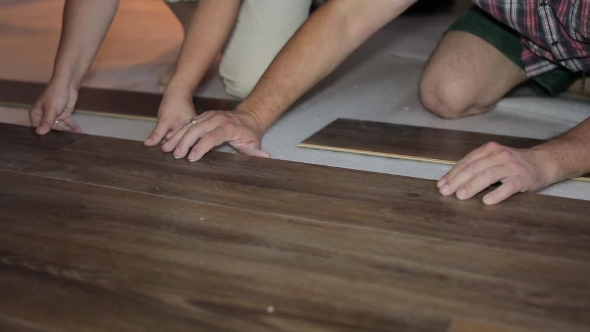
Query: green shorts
{"x": 481, "y": 24}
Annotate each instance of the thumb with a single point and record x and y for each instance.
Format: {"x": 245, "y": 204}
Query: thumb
{"x": 47, "y": 122}
{"x": 259, "y": 153}
{"x": 157, "y": 134}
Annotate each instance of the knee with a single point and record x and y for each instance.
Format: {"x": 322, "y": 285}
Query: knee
{"x": 443, "y": 100}
{"x": 239, "y": 78}
{"x": 239, "y": 88}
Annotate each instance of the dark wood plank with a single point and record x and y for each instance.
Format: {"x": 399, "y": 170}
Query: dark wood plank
{"x": 120, "y": 260}
{"x": 531, "y": 223}
{"x": 21, "y": 147}
{"x": 407, "y": 142}
{"x": 103, "y": 101}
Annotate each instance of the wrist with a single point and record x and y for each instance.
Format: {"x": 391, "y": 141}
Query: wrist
{"x": 551, "y": 170}
{"x": 253, "y": 119}
{"x": 179, "y": 90}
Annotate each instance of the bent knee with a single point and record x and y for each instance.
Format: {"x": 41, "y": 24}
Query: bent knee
{"x": 447, "y": 101}
{"x": 239, "y": 88}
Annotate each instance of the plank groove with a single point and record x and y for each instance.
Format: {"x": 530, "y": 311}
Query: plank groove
{"x": 531, "y": 223}
{"x": 21, "y": 147}
{"x": 407, "y": 142}
{"x": 118, "y": 103}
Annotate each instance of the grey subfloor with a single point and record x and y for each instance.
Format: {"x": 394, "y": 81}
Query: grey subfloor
{"x": 378, "y": 83}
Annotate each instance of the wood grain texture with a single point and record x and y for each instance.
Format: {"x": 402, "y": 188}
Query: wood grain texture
{"x": 529, "y": 222}
{"x": 117, "y": 103}
{"x": 407, "y": 142}
{"x": 21, "y": 147}
{"x": 119, "y": 260}
{"x": 108, "y": 235}
{"x": 464, "y": 325}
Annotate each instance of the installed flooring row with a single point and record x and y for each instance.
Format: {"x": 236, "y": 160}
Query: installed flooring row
{"x": 105, "y": 234}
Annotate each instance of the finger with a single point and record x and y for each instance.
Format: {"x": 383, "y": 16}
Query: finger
{"x": 192, "y": 135}
{"x": 258, "y": 153}
{"x": 507, "y": 189}
{"x": 173, "y": 141}
{"x": 47, "y": 122}
{"x": 210, "y": 140}
{"x": 469, "y": 171}
{"x": 478, "y": 153}
{"x": 72, "y": 125}
{"x": 199, "y": 118}
{"x": 251, "y": 149}
{"x": 59, "y": 125}
{"x": 483, "y": 180}
{"x": 35, "y": 114}
{"x": 157, "y": 134}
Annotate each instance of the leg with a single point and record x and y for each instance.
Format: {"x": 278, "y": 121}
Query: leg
{"x": 467, "y": 76}
{"x": 263, "y": 28}
{"x": 581, "y": 86}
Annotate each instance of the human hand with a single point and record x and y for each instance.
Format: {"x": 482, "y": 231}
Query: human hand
{"x": 173, "y": 113}
{"x": 241, "y": 129}
{"x": 54, "y": 108}
{"x": 519, "y": 170}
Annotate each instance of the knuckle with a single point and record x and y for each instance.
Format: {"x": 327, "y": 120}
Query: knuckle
{"x": 505, "y": 154}
{"x": 227, "y": 125}
{"x": 209, "y": 136}
{"x": 489, "y": 174}
{"x": 491, "y": 146}
{"x": 470, "y": 168}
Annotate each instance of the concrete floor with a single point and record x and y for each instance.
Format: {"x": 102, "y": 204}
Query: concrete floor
{"x": 378, "y": 83}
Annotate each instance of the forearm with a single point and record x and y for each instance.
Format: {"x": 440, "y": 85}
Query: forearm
{"x": 568, "y": 155}
{"x": 322, "y": 43}
{"x": 211, "y": 25}
{"x": 85, "y": 24}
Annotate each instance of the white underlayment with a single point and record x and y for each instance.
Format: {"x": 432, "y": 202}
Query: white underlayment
{"x": 377, "y": 83}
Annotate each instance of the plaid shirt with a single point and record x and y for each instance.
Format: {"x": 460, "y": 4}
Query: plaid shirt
{"x": 554, "y": 32}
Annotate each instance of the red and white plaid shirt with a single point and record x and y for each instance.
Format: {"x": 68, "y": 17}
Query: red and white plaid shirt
{"x": 554, "y": 32}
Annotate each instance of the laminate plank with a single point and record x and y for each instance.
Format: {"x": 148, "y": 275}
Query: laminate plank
{"x": 110, "y": 257}
{"x": 118, "y": 103}
{"x": 464, "y": 325}
{"x": 536, "y": 224}
{"x": 407, "y": 142}
{"x": 21, "y": 147}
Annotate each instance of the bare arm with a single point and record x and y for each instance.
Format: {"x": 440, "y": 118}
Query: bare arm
{"x": 85, "y": 23}
{"x": 568, "y": 155}
{"x": 208, "y": 32}
{"x": 320, "y": 45}
{"x": 324, "y": 41}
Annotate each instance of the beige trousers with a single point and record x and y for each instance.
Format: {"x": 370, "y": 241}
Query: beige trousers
{"x": 262, "y": 29}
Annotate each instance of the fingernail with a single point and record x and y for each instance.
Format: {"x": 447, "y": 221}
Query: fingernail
{"x": 461, "y": 193}
{"x": 487, "y": 199}
{"x": 191, "y": 156}
{"x": 444, "y": 189}
{"x": 177, "y": 153}
{"x": 441, "y": 183}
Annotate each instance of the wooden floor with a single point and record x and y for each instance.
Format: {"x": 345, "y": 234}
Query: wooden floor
{"x": 407, "y": 142}
{"x": 104, "y": 234}
{"x": 125, "y": 104}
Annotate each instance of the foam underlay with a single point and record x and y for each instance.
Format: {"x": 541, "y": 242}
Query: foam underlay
{"x": 377, "y": 83}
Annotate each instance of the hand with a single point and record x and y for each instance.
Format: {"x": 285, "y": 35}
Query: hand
{"x": 519, "y": 171}
{"x": 54, "y": 108}
{"x": 173, "y": 113}
{"x": 241, "y": 129}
